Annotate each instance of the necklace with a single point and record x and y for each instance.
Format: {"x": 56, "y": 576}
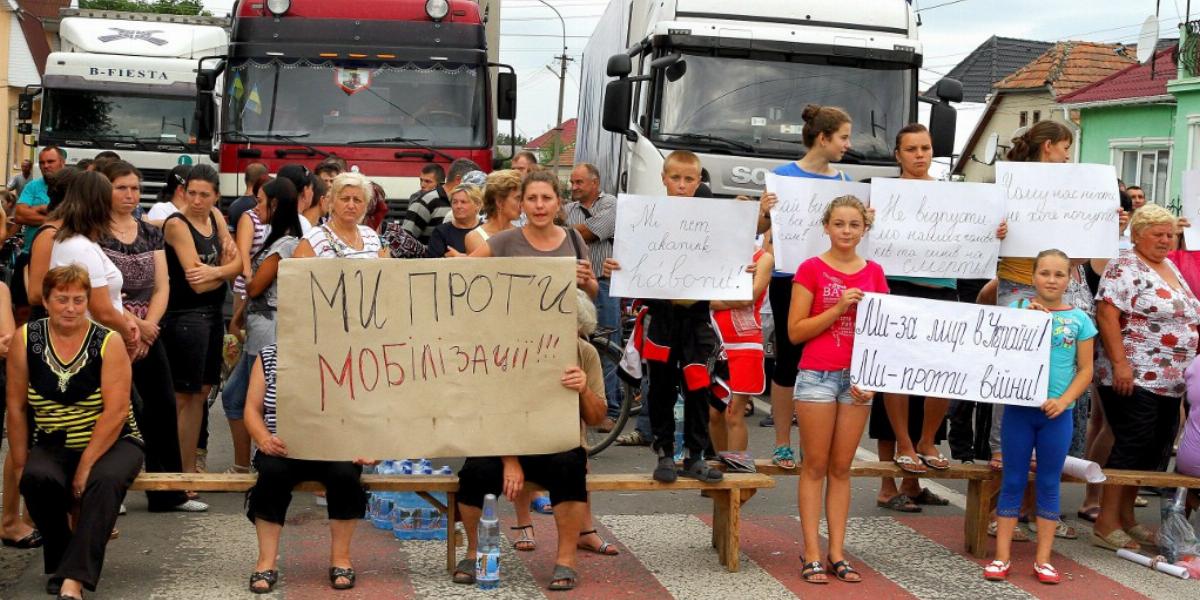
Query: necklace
{"x": 122, "y": 229}
{"x": 340, "y": 247}
{"x": 64, "y": 371}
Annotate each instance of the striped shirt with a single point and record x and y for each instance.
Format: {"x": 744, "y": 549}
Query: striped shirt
{"x": 64, "y": 395}
{"x": 425, "y": 213}
{"x": 601, "y": 220}
{"x": 261, "y": 230}
{"x": 267, "y": 354}
{"x": 326, "y": 244}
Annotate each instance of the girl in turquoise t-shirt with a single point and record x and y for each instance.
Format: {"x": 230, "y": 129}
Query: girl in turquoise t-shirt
{"x": 1046, "y": 429}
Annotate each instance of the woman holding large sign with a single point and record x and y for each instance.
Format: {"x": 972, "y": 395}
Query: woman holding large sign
{"x": 1148, "y": 325}
{"x": 826, "y": 135}
{"x": 831, "y": 411}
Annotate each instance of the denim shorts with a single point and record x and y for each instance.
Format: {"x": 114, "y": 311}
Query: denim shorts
{"x": 823, "y": 387}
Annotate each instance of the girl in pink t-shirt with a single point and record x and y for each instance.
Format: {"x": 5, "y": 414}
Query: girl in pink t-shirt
{"x": 831, "y": 411}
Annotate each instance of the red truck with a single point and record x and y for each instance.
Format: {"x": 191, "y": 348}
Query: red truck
{"x": 386, "y": 85}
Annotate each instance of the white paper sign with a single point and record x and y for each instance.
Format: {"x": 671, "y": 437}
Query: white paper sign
{"x": 1072, "y": 207}
{"x": 951, "y": 350}
{"x": 684, "y": 248}
{"x": 1191, "y": 208}
{"x": 935, "y": 228}
{"x": 796, "y": 229}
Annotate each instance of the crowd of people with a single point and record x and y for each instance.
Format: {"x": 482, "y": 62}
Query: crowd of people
{"x": 115, "y": 334}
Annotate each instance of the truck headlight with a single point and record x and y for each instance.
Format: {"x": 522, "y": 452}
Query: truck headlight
{"x": 279, "y": 7}
{"x": 437, "y": 9}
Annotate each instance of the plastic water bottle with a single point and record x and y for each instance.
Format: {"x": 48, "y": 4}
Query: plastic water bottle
{"x": 487, "y": 556}
{"x": 424, "y": 467}
{"x": 679, "y": 429}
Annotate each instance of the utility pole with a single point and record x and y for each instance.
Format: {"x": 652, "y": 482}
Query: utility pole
{"x": 562, "y": 89}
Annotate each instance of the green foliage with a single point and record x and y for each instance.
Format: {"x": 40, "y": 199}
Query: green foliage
{"x": 168, "y": 7}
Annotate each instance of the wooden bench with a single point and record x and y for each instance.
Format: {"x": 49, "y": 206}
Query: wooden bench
{"x": 727, "y": 497}
{"x": 982, "y": 486}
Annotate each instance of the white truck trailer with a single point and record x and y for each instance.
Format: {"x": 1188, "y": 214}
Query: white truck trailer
{"x": 729, "y": 81}
{"x": 128, "y": 86}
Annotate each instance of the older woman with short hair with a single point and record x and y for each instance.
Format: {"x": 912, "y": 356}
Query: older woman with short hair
{"x": 1148, "y": 325}
{"x": 73, "y": 375}
{"x": 344, "y": 235}
{"x": 450, "y": 238}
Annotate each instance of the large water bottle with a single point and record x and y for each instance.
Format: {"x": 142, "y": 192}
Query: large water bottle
{"x": 487, "y": 556}
{"x": 679, "y": 428}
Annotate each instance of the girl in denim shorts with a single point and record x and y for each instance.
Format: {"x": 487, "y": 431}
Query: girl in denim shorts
{"x": 832, "y": 413}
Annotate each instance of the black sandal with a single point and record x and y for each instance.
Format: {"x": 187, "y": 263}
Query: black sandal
{"x": 811, "y": 570}
{"x": 29, "y": 542}
{"x": 842, "y": 570}
{"x": 525, "y": 543}
{"x": 336, "y": 573}
{"x": 270, "y": 576}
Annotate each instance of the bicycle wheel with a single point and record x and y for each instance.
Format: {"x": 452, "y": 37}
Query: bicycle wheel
{"x": 596, "y": 440}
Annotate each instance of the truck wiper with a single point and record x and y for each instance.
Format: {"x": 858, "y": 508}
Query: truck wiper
{"x": 279, "y": 136}
{"x": 119, "y": 137}
{"x": 704, "y": 137}
{"x": 413, "y": 142}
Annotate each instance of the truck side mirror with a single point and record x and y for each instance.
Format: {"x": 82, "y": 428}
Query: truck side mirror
{"x": 25, "y": 107}
{"x": 676, "y": 71}
{"x": 619, "y": 65}
{"x": 618, "y": 96}
{"x": 949, "y": 90}
{"x": 203, "y": 117}
{"x": 25, "y": 128}
{"x": 506, "y": 96}
{"x": 206, "y": 80}
{"x": 943, "y": 120}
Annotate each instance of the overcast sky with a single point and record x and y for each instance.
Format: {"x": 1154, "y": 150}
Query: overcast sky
{"x": 951, "y": 29}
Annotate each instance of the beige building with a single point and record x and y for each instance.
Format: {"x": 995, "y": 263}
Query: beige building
{"x": 1028, "y": 96}
{"x": 23, "y": 51}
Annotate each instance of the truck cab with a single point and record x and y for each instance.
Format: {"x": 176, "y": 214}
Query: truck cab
{"x": 730, "y": 81}
{"x": 130, "y": 87}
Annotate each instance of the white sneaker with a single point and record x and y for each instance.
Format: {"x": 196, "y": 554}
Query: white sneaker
{"x": 121, "y": 511}
{"x": 322, "y": 501}
{"x": 191, "y": 506}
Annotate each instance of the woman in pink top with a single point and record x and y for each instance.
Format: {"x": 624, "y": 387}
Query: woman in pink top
{"x": 831, "y": 411}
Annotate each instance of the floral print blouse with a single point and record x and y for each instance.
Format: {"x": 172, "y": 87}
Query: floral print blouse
{"x": 1158, "y": 324}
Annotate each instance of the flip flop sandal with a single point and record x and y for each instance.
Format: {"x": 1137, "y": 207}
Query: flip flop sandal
{"x": 1090, "y": 515}
{"x": 563, "y": 579}
{"x": 336, "y": 573}
{"x": 525, "y": 543}
{"x": 937, "y": 463}
{"x": 29, "y": 542}
{"x": 928, "y": 498}
{"x": 811, "y": 570}
{"x": 909, "y": 464}
{"x": 1115, "y": 540}
{"x": 784, "y": 458}
{"x": 1142, "y": 535}
{"x": 1061, "y": 530}
{"x": 603, "y": 550}
{"x": 271, "y": 577}
{"x": 899, "y": 503}
{"x": 541, "y": 505}
{"x": 1018, "y": 535}
{"x": 996, "y": 464}
{"x": 465, "y": 568}
{"x": 842, "y": 570}
{"x": 700, "y": 470}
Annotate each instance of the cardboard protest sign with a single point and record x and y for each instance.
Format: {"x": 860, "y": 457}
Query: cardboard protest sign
{"x": 935, "y": 228}
{"x": 435, "y": 358}
{"x": 1072, "y": 207}
{"x": 950, "y": 350}
{"x": 1191, "y": 208}
{"x": 796, "y": 229}
{"x": 684, "y": 248}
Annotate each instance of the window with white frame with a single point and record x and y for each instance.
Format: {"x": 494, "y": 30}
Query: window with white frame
{"x": 1148, "y": 168}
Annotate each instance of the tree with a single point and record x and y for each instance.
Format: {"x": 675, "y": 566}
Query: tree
{"x": 503, "y": 140}
{"x": 168, "y": 7}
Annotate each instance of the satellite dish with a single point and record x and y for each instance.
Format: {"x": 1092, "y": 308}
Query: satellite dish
{"x": 1147, "y": 39}
{"x": 992, "y": 149}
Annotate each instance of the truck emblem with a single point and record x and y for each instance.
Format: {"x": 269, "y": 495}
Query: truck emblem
{"x": 133, "y": 34}
{"x": 352, "y": 80}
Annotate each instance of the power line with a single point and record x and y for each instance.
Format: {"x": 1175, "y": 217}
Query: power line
{"x": 939, "y": 5}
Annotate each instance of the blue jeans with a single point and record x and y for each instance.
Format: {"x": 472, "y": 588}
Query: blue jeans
{"x": 1024, "y": 430}
{"x": 233, "y": 395}
{"x": 608, "y": 316}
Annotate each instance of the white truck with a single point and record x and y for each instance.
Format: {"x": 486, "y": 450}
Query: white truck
{"x": 128, "y": 86}
{"x": 729, "y": 81}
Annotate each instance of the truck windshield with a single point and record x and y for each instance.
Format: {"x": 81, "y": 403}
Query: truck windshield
{"x": 742, "y": 102}
{"x": 336, "y": 103}
{"x": 110, "y": 117}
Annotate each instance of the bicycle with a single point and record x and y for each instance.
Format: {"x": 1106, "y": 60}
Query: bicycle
{"x": 597, "y": 441}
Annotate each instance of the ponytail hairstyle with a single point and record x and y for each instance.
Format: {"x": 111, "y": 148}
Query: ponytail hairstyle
{"x": 206, "y": 174}
{"x": 175, "y": 178}
{"x": 848, "y": 201}
{"x": 1053, "y": 252}
{"x": 116, "y": 169}
{"x": 909, "y": 129}
{"x": 285, "y": 220}
{"x": 1027, "y": 147}
{"x": 821, "y": 120}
